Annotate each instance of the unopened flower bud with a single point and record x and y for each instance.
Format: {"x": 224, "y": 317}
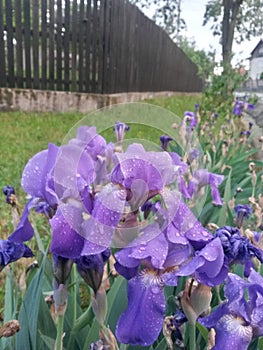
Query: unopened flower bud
{"x": 165, "y": 139}
{"x": 61, "y": 268}
{"x": 242, "y": 212}
{"x": 196, "y": 300}
{"x": 224, "y": 148}
{"x": 60, "y": 297}
{"x": 91, "y": 268}
{"x": 251, "y": 166}
{"x": 254, "y": 178}
{"x": 99, "y": 306}
{"x": 120, "y": 130}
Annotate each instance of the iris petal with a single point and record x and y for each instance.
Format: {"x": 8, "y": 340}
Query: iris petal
{"x": 66, "y": 242}
{"x": 24, "y": 231}
{"x": 232, "y": 334}
{"x": 142, "y": 321}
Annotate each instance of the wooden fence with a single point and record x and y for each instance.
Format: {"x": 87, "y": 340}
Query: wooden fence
{"x": 97, "y": 46}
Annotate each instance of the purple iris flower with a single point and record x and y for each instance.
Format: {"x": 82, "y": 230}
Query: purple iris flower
{"x": 243, "y": 211}
{"x": 37, "y": 178}
{"x": 147, "y": 263}
{"x": 240, "y": 318}
{"x": 85, "y": 220}
{"x": 11, "y": 251}
{"x": 89, "y": 141}
{"x": 184, "y": 225}
{"x": 208, "y": 265}
{"x": 237, "y": 249}
{"x": 120, "y": 129}
{"x": 146, "y": 172}
{"x": 90, "y": 144}
{"x": 190, "y": 119}
{"x": 247, "y": 133}
{"x": 77, "y": 232}
{"x": 38, "y": 182}
{"x": 238, "y": 107}
{"x": 151, "y": 261}
{"x": 201, "y": 178}
{"x": 98, "y": 229}
{"x": 165, "y": 139}
{"x": 181, "y": 168}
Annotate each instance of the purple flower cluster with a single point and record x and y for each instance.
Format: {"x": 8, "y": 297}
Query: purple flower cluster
{"x": 240, "y": 105}
{"x": 96, "y": 198}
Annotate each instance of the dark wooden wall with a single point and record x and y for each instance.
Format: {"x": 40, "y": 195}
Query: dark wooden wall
{"x": 97, "y": 46}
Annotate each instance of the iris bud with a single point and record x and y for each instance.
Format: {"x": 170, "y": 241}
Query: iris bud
{"x": 196, "y": 300}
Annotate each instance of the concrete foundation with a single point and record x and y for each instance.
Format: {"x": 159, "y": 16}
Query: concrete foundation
{"x": 59, "y": 101}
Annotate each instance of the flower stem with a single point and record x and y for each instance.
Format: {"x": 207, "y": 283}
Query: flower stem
{"x": 59, "y": 339}
{"x": 192, "y": 329}
{"x": 74, "y": 312}
{"x": 74, "y": 292}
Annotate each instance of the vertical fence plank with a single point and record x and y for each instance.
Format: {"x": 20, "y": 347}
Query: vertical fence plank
{"x": 2, "y": 48}
{"x": 58, "y": 41}
{"x": 122, "y": 54}
{"x": 81, "y": 69}
{"x": 44, "y": 44}
{"x": 105, "y": 18}
{"x": 87, "y": 46}
{"x": 113, "y": 46}
{"x": 27, "y": 42}
{"x": 66, "y": 39}
{"x": 51, "y": 42}
{"x": 10, "y": 43}
{"x": 101, "y": 45}
{"x": 35, "y": 45}
{"x": 19, "y": 46}
{"x": 74, "y": 29}
{"x": 94, "y": 39}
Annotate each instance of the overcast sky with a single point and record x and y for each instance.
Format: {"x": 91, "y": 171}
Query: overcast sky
{"x": 193, "y": 13}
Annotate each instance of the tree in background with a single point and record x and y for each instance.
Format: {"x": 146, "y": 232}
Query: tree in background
{"x": 230, "y": 20}
{"x": 205, "y": 61}
{"x": 166, "y": 13}
{"x": 234, "y": 20}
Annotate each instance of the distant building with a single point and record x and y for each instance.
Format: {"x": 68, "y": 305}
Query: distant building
{"x": 256, "y": 62}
